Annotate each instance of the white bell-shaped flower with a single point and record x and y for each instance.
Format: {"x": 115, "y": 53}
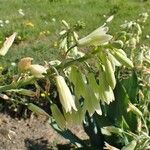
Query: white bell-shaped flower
{"x": 65, "y": 95}
{"x": 97, "y": 37}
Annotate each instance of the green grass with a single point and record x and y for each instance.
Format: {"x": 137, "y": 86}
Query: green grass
{"x": 42, "y": 12}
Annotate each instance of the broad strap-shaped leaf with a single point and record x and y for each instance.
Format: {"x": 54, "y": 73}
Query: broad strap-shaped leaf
{"x": 131, "y": 86}
{"x": 118, "y": 108}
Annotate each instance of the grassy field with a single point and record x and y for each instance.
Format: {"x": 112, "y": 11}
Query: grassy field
{"x": 39, "y": 22}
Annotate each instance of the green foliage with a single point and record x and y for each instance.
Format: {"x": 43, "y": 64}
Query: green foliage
{"x": 101, "y": 87}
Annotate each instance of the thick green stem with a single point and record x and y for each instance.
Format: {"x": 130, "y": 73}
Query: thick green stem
{"x": 79, "y": 60}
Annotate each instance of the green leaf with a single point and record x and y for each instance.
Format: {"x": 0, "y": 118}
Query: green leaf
{"x": 131, "y": 86}
{"x": 23, "y": 92}
{"x": 58, "y": 116}
{"x": 130, "y": 146}
{"x": 118, "y": 108}
{"x": 37, "y": 109}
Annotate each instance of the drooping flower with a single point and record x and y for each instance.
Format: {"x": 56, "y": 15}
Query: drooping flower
{"x": 7, "y": 44}
{"x": 97, "y": 37}
{"x": 24, "y": 64}
{"x": 37, "y": 70}
{"x": 65, "y": 95}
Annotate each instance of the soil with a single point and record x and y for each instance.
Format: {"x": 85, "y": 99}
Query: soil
{"x": 33, "y": 133}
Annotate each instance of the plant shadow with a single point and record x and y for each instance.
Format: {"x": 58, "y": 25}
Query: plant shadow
{"x": 37, "y": 144}
{"x": 41, "y": 144}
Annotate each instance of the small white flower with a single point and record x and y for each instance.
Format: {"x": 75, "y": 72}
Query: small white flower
{"x": 13, "y": 64}
{"x": 104, "y": 16}
{"x": 7, "y": 21}
{"x": 37, "y": 70}
{"x": 53, "y": 20}
{"x": 7, "y": 44}
{"x": 20, "y": 11}
{"x": 1, "y": 25}
{"x": 147, "y": 36}
{"x": 1, "y": 21}
{"x": 97, "y": 37}
{"x": 65, "y": 95}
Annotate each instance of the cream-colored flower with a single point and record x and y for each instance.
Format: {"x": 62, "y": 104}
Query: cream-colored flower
{"x": 65, "y": 95}
{"x": 97, "y": 37}
{"x": 24, "y": 64}
{"x": 109, "y": 19}
{"x": 7, "y": 44}
{"x": 37, "y": 70}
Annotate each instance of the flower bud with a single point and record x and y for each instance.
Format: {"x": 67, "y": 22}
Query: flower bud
{"x": 135, "y": 110}
{"x": 109, "y": 19}
{"x": 132, "y": 43}
{"x": 118, "y": 44}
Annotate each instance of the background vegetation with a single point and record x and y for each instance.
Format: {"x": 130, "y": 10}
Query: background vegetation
{"x": 37, "y": 22}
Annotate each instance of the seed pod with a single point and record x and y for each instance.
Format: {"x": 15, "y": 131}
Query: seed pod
{"x": 122, "y": 58}
{"x": 59, "y": 118}
{"x": 130, "y": 146}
